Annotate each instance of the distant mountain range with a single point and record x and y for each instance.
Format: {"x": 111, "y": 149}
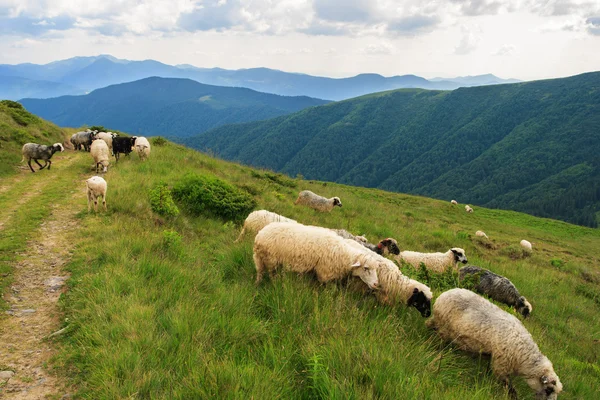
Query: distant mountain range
{"x": 531, "y": 147}
{"x": 80, "y": 75}
{"x": 165, "y": 106}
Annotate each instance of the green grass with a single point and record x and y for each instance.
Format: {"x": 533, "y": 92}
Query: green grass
{"x": 166, "y": 307}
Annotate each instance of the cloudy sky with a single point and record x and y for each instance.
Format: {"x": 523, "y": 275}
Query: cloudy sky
{"x": 525, "y": 39}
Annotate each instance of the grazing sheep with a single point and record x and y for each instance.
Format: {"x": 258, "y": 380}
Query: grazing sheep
{"x": 476, "y": 325}
{"x": 83, "y": 140}
{"x": 35, "y": 152}
{"x": 526, "y": 245}
{"x": 453, "y": 201}
{"x": 437, "y": 262}
{"x": 385, "y": 246}
{"x": 96, "y": 187}
{"x": 347, "y": 235}
{"x": 257, "y": 220}
{"x": 481, "y": 234}
{"x": 302, "y": 248}
{"x": 497, "y": 288}
{"x": 100, "y": 153}
{"x": 468, "y": 209}
{"x": 319, "y": 203}
{"x": 122, "y": 145}
{"x": 107, "y": 137}
{"x": 142, "y": 147}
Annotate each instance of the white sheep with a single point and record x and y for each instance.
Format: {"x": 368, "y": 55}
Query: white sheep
{"x": 481, "y": 234}
{"x": 96, "y": 187}
{"x": 100, "y": 153}
{"x": 142, "y": 147}
{"x": 108, "y": 138}
{"x": 303, "y": 248}
{"x": 468, "y": 209}
{"x": 526, "y": 244}
{"x": 319, "y": 203}
{"x": 476, "y": 325}
{"x": 437, "y": 262}
{"x": 257, "y": 220}
{"x": 453, "y": 201}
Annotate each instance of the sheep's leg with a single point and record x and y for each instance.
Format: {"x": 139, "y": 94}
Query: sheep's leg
{"x": 95, "y": 204}
{"x": 260, "y": 267}
{"x": 117, "y": 156}
{"x": 38, "y": 163}
{"x": 89, "y": 196}
{"x": 240, "y": 236}
{"x": 30, "y": 167}
{"x": 49, "y": 163}
{"x": 104, "y": 201}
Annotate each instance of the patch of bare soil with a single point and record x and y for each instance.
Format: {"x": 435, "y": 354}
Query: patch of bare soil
{"x": 39, "y": 280}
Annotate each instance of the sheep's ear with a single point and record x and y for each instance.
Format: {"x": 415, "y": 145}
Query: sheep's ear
{"x": 454, "y": 251}
{"x": 356, "y": 264}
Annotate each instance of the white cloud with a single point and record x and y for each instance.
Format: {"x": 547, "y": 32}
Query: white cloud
{"x": 505, "y": 50}
{"x": 470, "y": 40}
{"x": 25, "y": 43}
{"x": 378, "y": 49}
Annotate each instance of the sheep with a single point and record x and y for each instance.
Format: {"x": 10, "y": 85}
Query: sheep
{"x": 96, "y": 187}
{"x": 257, "y": 220}
{"x": 100, "y": 153}
{"x": 526, "y": 244}
{"x": 74, "y": 141}
{"x": 319, "y": 203}
{"x": 122, "y": 145}
{"x": 83, "y": 140}
{"x": 454, "y": 202}
{"x": 481, "y": 234}
{"x": 142, "y": 147}
{"x": 385, "y": 246}
{"x": 476, "y": 325}
{"x": 468, "y": 209}
{"x": 35, "y": 152}
{"x": 347, "y": 235}
{"x": 497, "y": 288}
{"x": 437, "y": 262}
{"x": 303, "y": 248}
{"x": 108, "y": 138}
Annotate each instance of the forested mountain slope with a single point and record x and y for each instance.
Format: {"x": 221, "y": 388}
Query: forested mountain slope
{"x": 531, "y": 147}
{"x": 166, "y": 106}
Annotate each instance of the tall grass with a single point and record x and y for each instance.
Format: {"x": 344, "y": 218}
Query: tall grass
{"x": 167, "y": 307}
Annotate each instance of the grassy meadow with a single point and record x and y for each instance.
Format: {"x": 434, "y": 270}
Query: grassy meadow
{"x": 166, "y": 307}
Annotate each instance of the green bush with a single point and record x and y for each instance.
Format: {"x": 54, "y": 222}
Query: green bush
{"x": 11, "y": 104}
{"x": 172, "y": 243}
{"x": 203, "y": 194}
{"x": 159, "y": 141}
{"x": 162, "y": 202}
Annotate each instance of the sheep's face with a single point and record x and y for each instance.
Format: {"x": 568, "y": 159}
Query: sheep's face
{"x": 547, "y": 387}
{"x": 366, "y": 273}
{"x": 459, "y": 255}
{"x": 419, "y": 301}
{"x": 524, "y": 307}
{"x": 389, "y": 245}
{"x": 337, "y": 202}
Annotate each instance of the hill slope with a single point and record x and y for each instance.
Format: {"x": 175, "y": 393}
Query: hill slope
{"x": 531, "y": 147}
{"x": 166, "y": 106}
{"x": 167, "y": 307}
{"x": 91, "y": 73}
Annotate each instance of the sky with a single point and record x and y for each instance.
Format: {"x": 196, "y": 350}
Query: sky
{"x": 522, "y": 39}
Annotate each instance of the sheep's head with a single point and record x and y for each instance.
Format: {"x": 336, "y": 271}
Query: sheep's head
{"x": 366, "y": 273}
{"x": 58, "y": 147}
{"x": 459, "y": 255}
{"x": 547, "y": 387}
{"x": 337, "y": 202}
{"x": 419, "y": 301}
{"x": 524, "y": 307}
{"x": 389, "y": 245}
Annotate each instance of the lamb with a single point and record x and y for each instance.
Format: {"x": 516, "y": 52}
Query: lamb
{"x": 481, "y": 234}
{"x": 303, "y": 248}
{"x": 319, "y": 203}
{"x": 526, "y": 244}
{"x": 122, "y": 145}
{"x": 476, "y": 325}
{"x": 257, "y": 220}
{"x": 497, "y": 288}
{"x": 453, "y": 202}
{"x": 142, "y": 147}
{"x": 35, "y": 152}
{"x": 100, "y": 153}
{"x": 96, "y": 187}
{"x": 437, "y": 262}
{"x": 468, "y": 209}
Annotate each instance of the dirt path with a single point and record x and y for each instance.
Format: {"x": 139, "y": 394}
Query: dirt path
{"x": 34, "y": 314}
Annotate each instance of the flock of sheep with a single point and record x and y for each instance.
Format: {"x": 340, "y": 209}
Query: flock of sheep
{"x": 100, "y": 145}
{"x": 460, "y": 316}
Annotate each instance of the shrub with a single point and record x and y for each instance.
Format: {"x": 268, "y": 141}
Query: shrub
{"x": 203, "y": 194}
{"x": 159, "y": 141}
{"x": 172, "y": 243}
{"x": 98, "y": 128}
{"x": 162, "y": 202}
{"x": 11, "y": 104}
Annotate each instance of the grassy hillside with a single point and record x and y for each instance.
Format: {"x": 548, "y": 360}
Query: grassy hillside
{"x": 531, "y": 147}
{"x": 166, "y": 106}
{"x": 17, "y": 127}
{"x": 166, "y": 307}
